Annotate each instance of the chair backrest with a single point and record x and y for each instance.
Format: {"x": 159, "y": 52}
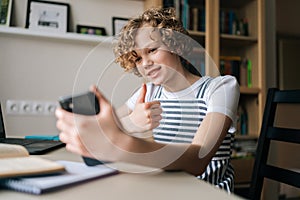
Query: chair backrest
{"x": 262, "y": 169}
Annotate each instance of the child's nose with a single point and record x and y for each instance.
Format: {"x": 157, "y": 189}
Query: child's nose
{"x": 147, "y": 62}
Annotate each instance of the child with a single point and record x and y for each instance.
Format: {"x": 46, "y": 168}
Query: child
{"x": 190, "y": 117}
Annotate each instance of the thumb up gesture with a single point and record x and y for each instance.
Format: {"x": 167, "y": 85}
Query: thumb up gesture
{"x": 146, "y": 115}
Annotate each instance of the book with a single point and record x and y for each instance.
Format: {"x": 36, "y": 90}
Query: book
{"x": 244, "y": 72}
{"x": 242, "y": 122}
{"x": 76, "y": 172}
{"x": 249, "y": 73}
{"x": 194, "y": 19}
{"x": 231, "y": 20}
{"x": 244, "y": 147}
{"x": 168, "y": 3}
{"x": 201, "y": 19}
{"x": 5, "y": 12}
{"x": 230, "y": 65}
{"x": 16, "y": 161}
{"x": 185, "y": 14}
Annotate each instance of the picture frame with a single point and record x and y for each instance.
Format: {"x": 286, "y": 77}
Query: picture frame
{"x": 118, "y": 23}
{"x": 5, "y": 12}
{"x": 48, "y": 16}
{"x": 90, "y": 30}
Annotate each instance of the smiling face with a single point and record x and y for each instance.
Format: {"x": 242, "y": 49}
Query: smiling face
{"x": 153, "y": 59}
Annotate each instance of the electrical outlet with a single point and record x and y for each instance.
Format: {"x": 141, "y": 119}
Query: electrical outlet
{"x": 26, "y": 107}
{"x": 12, "y": 107}
{"x": 20, "y": 107}
{"x": 38, "y": 108}
{"x": 50, "y": 107}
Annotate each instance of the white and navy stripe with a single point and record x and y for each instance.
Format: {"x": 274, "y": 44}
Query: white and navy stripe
{"x": 180, "y": 121}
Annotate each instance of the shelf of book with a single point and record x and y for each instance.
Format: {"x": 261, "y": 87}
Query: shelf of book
{"x": 236, "y": 40}
{"x": 238, "y": 37}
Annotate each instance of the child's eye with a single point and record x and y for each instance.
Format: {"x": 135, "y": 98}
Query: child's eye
{"x": 138, "y": 60}
{"x": 152, "y": 50}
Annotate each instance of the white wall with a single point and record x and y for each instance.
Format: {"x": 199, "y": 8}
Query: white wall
{"x": 87, "y": 12}
{"x": 41, "y": 69}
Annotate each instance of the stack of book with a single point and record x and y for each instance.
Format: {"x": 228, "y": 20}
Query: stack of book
{"x": 237, "y": 66}
{"x": 242, "y": 121}
{"x": 193, "y": 18}
{"x": 32, "y": 174}
{"x": 244, "y": 148}
{"x": 197, "y": 19}
{"x": 231, "y": 24}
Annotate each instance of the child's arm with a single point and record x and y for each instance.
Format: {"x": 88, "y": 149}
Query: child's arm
{"x": 100, "y": 137}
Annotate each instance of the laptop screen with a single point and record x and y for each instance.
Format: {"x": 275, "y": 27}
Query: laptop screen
{"x": 2, "y": 130}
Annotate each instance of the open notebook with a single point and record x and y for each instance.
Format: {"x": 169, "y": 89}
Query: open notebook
{"x": 76, "y": 172}
{"x": 34, "y": 146}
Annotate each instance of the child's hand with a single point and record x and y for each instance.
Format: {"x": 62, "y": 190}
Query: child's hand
{"x": 90, "y": 136}
{"x": 146, "y": 115}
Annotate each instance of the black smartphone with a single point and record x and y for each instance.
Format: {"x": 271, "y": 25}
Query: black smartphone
{"x": 84, "y": 104}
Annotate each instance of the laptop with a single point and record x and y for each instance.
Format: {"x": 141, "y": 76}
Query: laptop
{"x": 33, "y": 146}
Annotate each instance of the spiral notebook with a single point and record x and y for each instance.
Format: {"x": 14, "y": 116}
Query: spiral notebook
{"x": 76, "y": 172}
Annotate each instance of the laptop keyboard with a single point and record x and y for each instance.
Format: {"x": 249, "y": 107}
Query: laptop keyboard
{"x": 34, "y": 147}
{"x": 18, "y": 141}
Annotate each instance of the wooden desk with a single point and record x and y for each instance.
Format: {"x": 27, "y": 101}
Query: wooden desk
{"x": 123, "y": 186}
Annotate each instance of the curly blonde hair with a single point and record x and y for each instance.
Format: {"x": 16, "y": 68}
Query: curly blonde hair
{"x": 162, "y": 19}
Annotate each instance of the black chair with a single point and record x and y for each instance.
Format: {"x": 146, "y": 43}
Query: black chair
{"x": 268, "y": 133}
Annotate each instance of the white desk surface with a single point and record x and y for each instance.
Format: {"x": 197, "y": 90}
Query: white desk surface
{"x": 123, "y": 186}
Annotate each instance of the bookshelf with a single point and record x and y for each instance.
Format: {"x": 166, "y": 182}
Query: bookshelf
{"x": 246, "y": 43}
{"x": 248, "y": 46}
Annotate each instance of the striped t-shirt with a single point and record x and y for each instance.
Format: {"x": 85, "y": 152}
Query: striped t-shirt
{"x": 183, "y": 113}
